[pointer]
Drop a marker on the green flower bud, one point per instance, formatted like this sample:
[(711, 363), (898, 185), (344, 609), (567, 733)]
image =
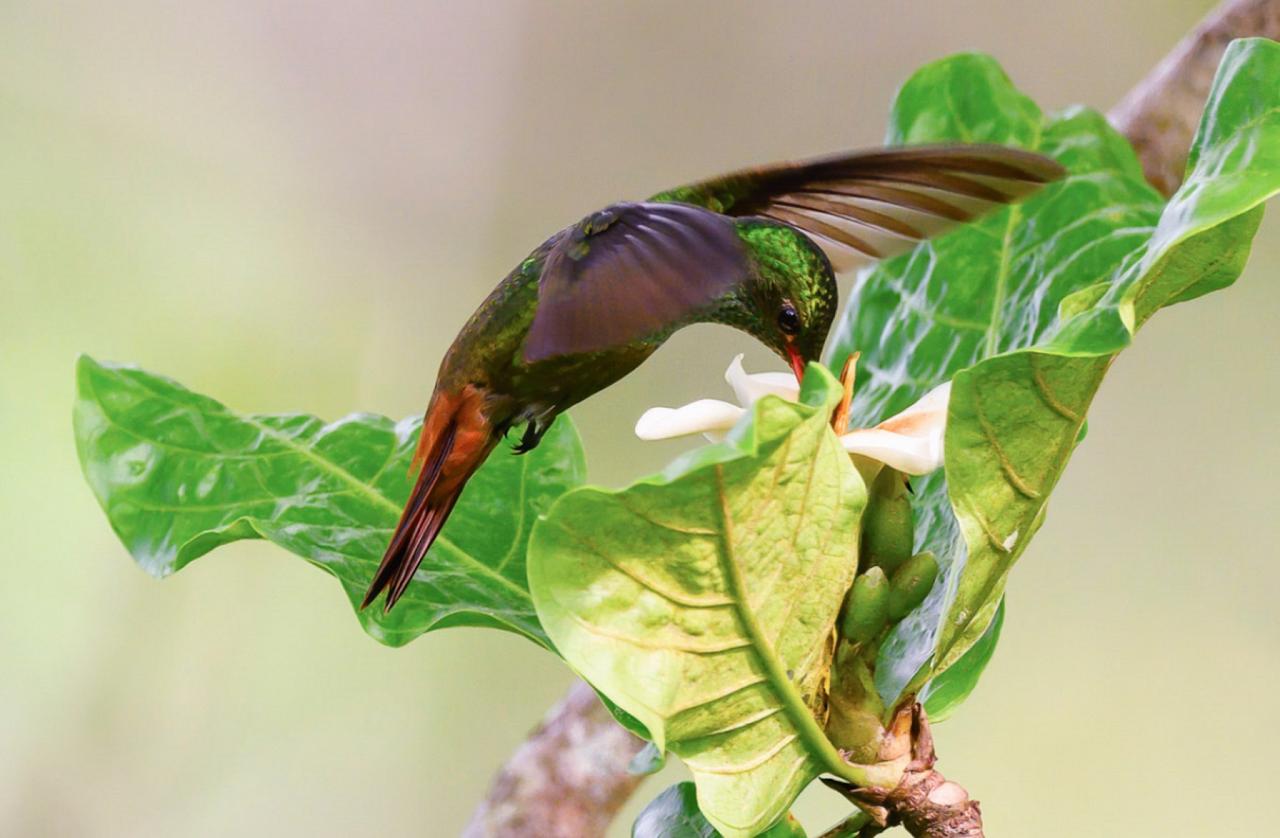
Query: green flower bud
[(888, 533), (866, 609), (911, 583)]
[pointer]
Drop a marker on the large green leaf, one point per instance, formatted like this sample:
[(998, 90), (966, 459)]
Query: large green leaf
[(179, 474), (1025, 310), (987, 288), (1014, 419), (703, 601), (674, 814)]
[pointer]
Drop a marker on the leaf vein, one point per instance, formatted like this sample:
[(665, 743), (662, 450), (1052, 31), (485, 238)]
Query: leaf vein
[(1046, 391), (744, 767), (1016, 480), (686, 600)]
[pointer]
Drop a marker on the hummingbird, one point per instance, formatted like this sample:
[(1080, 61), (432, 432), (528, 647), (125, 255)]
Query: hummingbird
[(757, 249)]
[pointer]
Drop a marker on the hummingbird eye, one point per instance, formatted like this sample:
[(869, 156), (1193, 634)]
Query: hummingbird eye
[(789, 320)]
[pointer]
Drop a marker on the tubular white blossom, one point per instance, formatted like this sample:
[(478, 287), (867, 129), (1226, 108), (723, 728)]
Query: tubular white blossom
[(748, 389), (910, 441), (709, 417)]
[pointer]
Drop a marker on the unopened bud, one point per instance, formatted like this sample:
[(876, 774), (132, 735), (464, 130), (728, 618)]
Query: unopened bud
[(867, 608), (888, 533), (911, 583)]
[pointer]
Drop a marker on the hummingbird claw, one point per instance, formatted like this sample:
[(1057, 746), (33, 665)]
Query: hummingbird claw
[(532, 436)]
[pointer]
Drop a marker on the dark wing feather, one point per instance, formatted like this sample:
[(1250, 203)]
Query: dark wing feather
[(874, 204), (629, 271)]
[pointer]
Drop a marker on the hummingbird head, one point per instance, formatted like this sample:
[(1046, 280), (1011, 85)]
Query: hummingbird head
[(793, 297), (800, 329)]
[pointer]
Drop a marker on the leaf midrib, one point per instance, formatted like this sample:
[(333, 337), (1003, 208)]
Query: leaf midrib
[(342, 474), (994, 329), (328, 466), (792, 704)]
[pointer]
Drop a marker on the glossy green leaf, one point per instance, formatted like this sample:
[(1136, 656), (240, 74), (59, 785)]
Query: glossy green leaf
[(179, 474), (1014, 420), (674, 814), (923, 317), (702, 601), (1025, 310), (949, 690)]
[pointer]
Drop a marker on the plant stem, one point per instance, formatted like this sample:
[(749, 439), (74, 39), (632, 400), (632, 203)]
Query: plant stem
[(924, 802)]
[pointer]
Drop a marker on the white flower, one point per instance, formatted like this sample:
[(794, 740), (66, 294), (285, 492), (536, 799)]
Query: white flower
[(910, 442)]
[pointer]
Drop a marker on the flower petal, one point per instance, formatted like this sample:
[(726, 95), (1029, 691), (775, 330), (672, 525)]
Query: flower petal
[(709, 416), (750, 388), (926, 416), (909, 454), (910, 441)]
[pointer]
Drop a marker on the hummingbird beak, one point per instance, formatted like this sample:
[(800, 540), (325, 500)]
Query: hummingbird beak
[(797, 361)]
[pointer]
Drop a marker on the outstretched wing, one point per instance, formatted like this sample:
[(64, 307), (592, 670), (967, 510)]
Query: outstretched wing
[(628, 271), (869, 205)]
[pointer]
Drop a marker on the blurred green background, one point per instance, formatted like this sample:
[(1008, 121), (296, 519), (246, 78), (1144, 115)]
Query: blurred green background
[(293, 205)]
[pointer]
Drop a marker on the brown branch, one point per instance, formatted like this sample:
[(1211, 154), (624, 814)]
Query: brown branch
[(1159, 116), (929, 805), (567, 780), (570, 777), (924, 802)]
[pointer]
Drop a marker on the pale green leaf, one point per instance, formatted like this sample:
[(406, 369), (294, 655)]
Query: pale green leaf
[(703, 601)]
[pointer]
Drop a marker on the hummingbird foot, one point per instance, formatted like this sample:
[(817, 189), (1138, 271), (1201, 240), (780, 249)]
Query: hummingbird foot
[(533, 434)]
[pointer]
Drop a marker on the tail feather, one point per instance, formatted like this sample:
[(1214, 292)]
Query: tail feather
[(448, 457), (404, 545), (424, 534)]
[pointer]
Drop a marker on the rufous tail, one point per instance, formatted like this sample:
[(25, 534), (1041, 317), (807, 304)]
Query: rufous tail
[(455, 441)]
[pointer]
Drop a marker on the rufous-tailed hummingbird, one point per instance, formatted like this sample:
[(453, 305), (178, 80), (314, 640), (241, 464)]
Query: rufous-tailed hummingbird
[(756, 249)]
